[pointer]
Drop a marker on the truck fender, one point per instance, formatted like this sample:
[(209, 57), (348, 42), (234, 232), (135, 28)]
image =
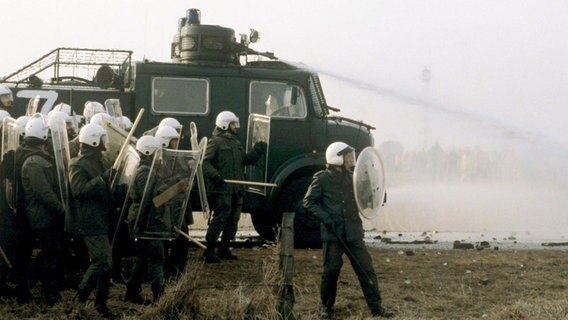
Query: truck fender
[(292, 166)]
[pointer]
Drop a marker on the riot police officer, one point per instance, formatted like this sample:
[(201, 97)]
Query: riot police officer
[(176, 251), (91, 108), (6, 98), (168, 121), (69, 120), (89, 181), (44, 209), (150, 253), (330, 198), (225, 158)]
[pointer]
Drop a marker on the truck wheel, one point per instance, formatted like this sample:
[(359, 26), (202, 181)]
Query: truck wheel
[(306, 228), (265, 223)]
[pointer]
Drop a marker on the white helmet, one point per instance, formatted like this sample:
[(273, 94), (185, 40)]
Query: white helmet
[(64, 107), (147, 145), (335, 152), (3, 114), (36, 127), (124, 122), (92, 134), (5, 90), (21, 122), (98, 118), (165, 134), (54, 116), (225, 118), (92, 108), (170, 122)]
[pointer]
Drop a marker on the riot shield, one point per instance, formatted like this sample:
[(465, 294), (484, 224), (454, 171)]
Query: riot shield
[(166, 194), (10, 136), (125, 175), (113, 107), (60, 144), (369, 182), (33, 105), (10, 142), (200, 178), (258, 131), (116, 138)]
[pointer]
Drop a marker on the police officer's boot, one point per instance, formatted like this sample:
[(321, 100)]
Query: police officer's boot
[(133, 295), (382, 312), (325, 313), (102, 297), (23, 293), (209, 255), (157, 290), (225, 253), (7, 291), (84, 292)]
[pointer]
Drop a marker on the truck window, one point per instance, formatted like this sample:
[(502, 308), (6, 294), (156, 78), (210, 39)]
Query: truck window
[(277, 99), (180, 95), (317, 95)]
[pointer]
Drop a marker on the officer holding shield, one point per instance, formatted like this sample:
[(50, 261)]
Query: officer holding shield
[(149, 252), (90, 181), (225, 158), (330, 198), (177, 250), (44, 209)]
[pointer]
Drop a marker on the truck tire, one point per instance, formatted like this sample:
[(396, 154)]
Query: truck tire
[(306, 228)]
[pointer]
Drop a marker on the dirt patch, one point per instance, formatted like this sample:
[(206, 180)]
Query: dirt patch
[(430, 284)]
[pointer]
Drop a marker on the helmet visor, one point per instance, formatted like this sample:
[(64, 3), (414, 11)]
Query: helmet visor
[(349, 157)]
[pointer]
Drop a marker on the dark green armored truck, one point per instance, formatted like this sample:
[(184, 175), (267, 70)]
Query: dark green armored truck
[(210, 72)]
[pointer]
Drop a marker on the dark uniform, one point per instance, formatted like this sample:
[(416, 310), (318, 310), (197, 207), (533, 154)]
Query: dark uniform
[(150, 253), (7, 222), (90, 219), (330, 198), (23, 237), (225, 158), (45, 214)]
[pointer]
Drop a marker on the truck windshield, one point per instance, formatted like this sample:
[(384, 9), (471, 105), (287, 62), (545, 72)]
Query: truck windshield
[(180, 95), (277, 99)]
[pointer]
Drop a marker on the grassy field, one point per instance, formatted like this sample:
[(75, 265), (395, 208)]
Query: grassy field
[(421, 284)]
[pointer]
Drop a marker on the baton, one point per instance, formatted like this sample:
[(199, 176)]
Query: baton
[(190, 238), (5, 257), (252, 183)]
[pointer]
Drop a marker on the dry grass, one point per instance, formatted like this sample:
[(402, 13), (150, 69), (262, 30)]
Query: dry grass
[(445, 284)]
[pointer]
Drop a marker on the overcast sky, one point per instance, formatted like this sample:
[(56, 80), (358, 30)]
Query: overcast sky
[(499, 68)]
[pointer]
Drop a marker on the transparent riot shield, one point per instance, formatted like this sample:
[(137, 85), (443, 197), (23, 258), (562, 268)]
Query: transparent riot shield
[(201, 146), (10, 142), (10, 136), (258, 131), (125, 174), (33, 105), (113, 107), (116, 138), (60, 144), (166, 194), (369, 182)]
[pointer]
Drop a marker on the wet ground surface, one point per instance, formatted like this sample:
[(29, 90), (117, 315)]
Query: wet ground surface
[(391, 240)]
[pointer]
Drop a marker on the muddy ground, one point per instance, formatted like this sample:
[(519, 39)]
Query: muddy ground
[(419, 283)]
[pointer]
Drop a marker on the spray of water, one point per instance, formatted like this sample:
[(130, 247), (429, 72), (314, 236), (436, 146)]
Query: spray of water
[(515, 185), (490, 124)]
